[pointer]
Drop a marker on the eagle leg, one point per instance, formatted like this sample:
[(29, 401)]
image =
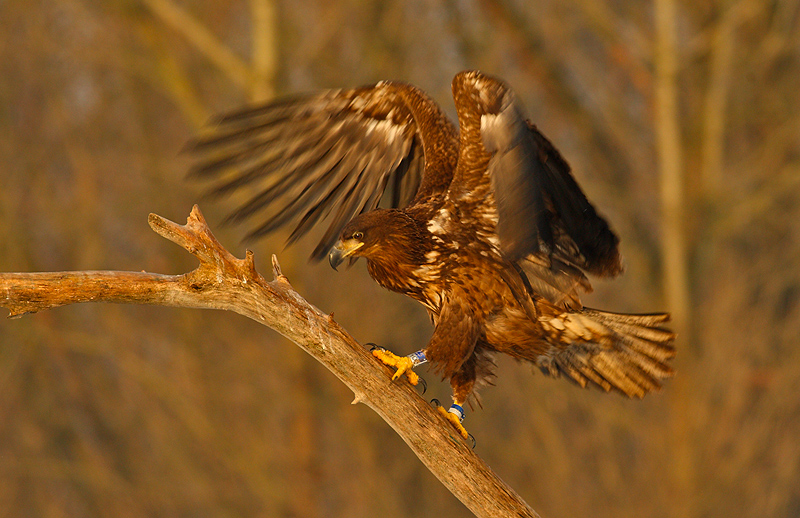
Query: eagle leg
[(403, 364), (455, 415)]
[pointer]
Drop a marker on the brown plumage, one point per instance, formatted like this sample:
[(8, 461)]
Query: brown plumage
[(486, 228)]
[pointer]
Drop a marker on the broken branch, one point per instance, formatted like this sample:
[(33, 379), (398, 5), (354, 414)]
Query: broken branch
[(222, 281)]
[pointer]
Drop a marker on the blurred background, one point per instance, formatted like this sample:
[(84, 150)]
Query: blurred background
[(682, 123)]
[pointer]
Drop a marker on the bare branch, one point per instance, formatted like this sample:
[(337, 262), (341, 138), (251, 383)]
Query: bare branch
[(222, 281)]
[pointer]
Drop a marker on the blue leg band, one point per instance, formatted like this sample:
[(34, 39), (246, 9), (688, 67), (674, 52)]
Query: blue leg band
[(458, 411), (418, 358)]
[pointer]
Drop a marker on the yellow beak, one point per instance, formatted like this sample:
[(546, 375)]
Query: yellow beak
[(342, 250)]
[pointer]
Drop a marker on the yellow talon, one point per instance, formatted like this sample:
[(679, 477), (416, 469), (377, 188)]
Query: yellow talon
[(402, 363), (455, 421)]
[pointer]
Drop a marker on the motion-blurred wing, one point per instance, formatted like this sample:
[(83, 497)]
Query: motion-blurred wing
[(572, 217), (305, 158), (540, 206), (544, 221)]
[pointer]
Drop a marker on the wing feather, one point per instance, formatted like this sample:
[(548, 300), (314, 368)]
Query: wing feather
[(596, 245), (542, 218), (331, 155)]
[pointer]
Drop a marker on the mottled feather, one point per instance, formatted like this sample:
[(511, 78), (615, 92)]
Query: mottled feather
[(486, 227), (327, 155)]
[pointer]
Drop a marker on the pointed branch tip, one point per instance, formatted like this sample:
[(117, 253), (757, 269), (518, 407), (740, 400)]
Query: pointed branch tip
[(276, 270), (250, 263), (196, 214), (276, 267)]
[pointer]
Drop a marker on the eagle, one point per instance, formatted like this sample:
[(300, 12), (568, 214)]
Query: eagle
[(483, 223)]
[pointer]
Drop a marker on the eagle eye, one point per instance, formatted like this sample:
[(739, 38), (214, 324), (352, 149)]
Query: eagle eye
[(358, 235)]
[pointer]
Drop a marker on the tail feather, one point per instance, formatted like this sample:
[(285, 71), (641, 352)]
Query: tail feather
[(577, 368), (642, 326), (639, 332), (622, 375), (627, 353)]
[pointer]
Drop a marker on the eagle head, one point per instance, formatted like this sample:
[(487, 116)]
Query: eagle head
[(376, 235)]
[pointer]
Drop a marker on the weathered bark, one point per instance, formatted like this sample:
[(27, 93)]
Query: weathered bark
[(225, 282)]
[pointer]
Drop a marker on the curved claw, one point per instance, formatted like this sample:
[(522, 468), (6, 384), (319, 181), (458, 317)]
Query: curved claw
[(373, 346), (424, 385), (435, 403), (472, 440)]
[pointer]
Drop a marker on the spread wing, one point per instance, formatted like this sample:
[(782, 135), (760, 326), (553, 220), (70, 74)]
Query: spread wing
[(325, 155), (543, 220)]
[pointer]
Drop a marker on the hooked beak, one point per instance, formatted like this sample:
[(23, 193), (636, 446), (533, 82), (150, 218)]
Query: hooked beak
[(342, 250)]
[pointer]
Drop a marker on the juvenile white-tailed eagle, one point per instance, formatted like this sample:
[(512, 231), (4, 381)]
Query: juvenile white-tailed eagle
[(487, 227)]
